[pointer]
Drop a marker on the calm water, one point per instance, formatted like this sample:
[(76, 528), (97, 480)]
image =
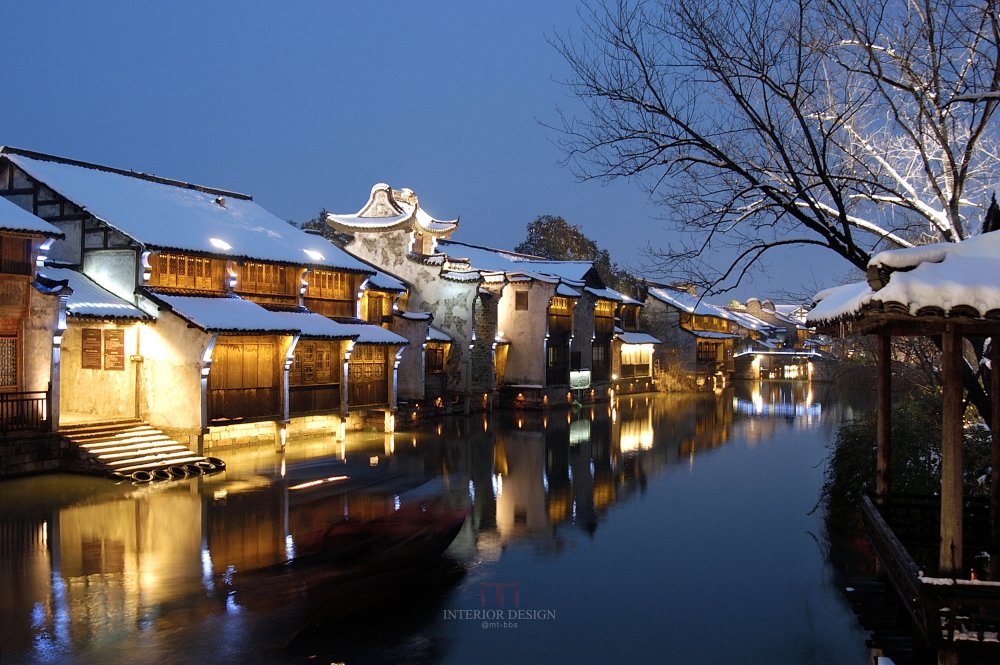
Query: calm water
[(669, 529)]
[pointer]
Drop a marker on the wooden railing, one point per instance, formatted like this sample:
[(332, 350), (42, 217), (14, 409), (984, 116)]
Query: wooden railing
[(24, 410), (949, 613)]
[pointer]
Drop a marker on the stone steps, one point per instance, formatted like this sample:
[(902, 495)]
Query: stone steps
[(130, 448)]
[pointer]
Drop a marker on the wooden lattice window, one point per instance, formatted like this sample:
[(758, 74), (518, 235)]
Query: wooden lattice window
[(181, 271), (329, 284), (15, 256), (263, 278), (8, 362), (313, 364)]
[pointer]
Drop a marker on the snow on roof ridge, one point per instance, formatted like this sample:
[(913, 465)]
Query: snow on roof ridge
[(34, 154)]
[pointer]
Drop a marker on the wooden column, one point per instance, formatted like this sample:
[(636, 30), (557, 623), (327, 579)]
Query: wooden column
[(950, 559), (883, 431), (995, 456)]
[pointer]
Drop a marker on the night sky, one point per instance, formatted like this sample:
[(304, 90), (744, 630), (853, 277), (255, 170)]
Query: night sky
[(306, 105)]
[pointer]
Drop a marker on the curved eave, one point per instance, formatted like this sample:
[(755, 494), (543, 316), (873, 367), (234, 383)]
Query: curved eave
[(354, 223)]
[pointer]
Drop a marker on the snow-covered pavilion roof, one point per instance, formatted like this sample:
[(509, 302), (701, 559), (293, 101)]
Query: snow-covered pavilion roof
[(15, 218), (168, 214), (388, 209), (88, 299), (950, 279)]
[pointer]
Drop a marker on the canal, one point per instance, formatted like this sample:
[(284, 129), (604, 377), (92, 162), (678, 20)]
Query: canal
[(674, 529)]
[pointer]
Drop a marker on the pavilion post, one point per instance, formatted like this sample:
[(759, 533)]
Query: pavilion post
[(950, 558), (883, 432)]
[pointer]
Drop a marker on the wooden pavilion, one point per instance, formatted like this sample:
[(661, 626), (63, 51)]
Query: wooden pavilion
[(949, 292)]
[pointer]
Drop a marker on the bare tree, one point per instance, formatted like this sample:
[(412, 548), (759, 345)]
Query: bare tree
[(765, 124), (854, 125)]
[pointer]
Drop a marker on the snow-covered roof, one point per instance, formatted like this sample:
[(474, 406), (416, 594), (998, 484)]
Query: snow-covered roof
[(382, 281), (567, 291), (372, 334), (413, 316), (167, 214), (637, 338), (90, 300), (225, 314), (389, 209), (314, 326), (711, 334), (743, 319), (435, 335), (939, 277), (611, 294), (498, 260), (684, 301), (15, 218)]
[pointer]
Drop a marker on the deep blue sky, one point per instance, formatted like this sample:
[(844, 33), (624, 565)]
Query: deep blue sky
[(306, 105)]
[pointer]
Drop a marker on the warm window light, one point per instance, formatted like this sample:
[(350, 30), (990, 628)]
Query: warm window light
[(220, 244), (314, 255)]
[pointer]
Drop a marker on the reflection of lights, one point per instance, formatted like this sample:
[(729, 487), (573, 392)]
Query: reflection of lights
[(520, 423), (373, 460), (395, 502), (219, 495), (282, 466), (757, 399), (636, 435), (472, 492), (45, 534), (439, 429), (497, 486), (289, 547), (545, 481), (322, 481), (206, 570)]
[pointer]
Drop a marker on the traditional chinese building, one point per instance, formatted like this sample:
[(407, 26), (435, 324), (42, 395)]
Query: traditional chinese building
[(698, 338), (505, 323), (244, 327)]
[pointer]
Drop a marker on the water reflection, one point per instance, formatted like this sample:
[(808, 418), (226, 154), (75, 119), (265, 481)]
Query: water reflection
[(88, 567)]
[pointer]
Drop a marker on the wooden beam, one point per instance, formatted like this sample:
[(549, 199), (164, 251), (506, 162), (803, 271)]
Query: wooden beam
[(883, 431), (950, 555)]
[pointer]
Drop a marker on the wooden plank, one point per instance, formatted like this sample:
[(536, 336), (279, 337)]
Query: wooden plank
[(950, 556)]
